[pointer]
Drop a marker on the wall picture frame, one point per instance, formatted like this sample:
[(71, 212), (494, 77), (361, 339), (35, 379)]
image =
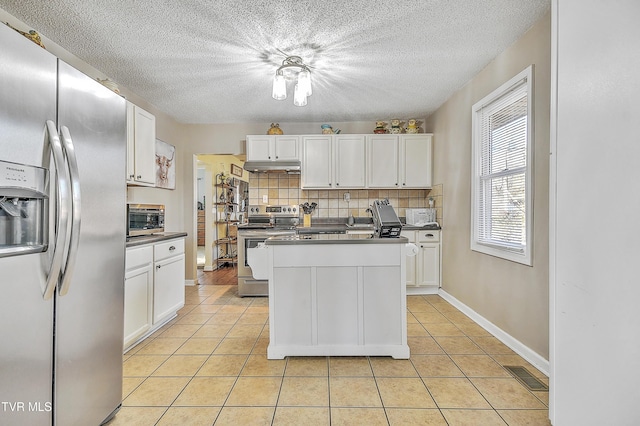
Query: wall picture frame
[(236, 170), (165, 165)]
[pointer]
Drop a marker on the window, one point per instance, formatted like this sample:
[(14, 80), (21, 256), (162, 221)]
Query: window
[(502, 158)]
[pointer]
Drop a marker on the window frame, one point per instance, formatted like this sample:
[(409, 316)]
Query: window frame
[(504, 251)]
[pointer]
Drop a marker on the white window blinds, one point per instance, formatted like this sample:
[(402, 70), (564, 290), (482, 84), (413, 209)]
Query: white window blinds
[(501, 184)]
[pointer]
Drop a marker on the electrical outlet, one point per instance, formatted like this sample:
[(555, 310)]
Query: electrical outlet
[(265, 199), (347, 196)]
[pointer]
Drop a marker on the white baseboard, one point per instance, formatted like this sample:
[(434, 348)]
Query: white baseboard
[(414, 291), (190, 282), (518, 347), (208, 268)]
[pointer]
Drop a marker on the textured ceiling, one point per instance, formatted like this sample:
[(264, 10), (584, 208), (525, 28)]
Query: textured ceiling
[(212, 61)]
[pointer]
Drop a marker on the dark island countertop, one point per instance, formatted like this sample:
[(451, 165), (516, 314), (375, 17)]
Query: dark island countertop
[(153, 238), (333, 239)]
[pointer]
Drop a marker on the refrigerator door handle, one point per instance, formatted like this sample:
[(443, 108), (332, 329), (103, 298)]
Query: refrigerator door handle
[(74, 235), (62, 211)]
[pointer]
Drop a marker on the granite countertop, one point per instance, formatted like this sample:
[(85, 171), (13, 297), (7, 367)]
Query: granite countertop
[(332, 239), (339, 225), (432, 227), (343, 227), (153, 238)]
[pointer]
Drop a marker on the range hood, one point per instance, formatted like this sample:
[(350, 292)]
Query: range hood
[(265, 166)]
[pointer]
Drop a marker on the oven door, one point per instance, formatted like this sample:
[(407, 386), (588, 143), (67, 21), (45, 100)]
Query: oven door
[(250, 239)]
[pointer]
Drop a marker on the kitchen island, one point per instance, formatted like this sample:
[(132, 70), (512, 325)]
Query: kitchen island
[(335, 295)]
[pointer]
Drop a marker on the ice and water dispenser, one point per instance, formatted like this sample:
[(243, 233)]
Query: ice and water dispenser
[(24, 204)]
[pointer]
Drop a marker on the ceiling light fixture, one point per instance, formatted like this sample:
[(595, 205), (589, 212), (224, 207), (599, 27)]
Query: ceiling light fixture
[(303, 85)]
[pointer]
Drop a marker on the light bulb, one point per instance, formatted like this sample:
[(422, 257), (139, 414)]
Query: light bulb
[(299, 97), (304, 81), (279, 87)]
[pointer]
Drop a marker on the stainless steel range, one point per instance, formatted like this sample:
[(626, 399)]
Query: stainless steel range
[(263, 222)]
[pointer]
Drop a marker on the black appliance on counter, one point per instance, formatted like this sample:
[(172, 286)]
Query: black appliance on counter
[(385, 220)]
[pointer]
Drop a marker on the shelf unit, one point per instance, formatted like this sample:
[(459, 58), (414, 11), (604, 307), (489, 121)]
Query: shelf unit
[(226, 227), (201, 227)]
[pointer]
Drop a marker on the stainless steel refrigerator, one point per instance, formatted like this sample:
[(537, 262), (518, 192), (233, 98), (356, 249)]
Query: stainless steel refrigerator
[(62, 240)]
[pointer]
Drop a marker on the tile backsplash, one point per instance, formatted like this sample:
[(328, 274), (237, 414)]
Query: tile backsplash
[(285, 189)]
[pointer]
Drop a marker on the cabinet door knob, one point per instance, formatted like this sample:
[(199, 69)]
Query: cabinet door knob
[(429, 235), (172, 248), (158, 266), (139, 177), (396, 183)]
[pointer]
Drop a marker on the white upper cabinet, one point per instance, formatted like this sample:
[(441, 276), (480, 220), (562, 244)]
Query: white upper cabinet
[(141, 146), (399, 161), (317, 157), (272, 147), (349, 161), (415, 161), (366, 161), (382, 164)]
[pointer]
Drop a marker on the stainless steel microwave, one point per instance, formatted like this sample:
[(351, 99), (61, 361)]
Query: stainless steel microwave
[(144, 219)]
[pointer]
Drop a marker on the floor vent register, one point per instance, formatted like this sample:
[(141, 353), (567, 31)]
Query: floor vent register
[(526, 378)]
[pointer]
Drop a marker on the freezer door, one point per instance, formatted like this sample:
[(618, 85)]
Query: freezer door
[(90, 311), (27, 101)]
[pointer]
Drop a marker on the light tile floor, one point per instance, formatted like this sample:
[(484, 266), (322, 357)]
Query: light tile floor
[(208, 366)]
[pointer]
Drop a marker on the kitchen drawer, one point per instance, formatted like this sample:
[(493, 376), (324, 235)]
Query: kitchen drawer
[(168, 249), (428, 236), (138, 257), (410, 235)]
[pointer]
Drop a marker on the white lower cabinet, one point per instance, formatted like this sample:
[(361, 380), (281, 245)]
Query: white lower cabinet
[(423, 270), (153, 289), (138, 293), (168, 281), (428, 268)]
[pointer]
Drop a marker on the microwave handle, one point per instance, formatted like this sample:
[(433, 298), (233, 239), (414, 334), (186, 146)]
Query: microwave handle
[(62, 198), (74, 236)]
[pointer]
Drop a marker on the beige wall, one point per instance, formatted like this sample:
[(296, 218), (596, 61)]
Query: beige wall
[(512, 296)]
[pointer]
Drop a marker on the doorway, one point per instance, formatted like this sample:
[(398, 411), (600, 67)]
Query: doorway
[(218, 208)]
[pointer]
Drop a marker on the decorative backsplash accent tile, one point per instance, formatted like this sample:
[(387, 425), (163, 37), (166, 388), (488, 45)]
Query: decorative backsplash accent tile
[(285, 189)]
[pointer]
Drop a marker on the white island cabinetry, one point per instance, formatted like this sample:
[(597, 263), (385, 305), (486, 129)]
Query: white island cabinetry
[(340, 295), (153, 288)]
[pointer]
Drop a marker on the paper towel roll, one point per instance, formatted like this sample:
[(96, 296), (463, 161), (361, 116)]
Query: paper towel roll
[(411, 249)]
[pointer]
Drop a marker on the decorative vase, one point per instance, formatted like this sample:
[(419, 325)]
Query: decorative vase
[(395, 126), (275, 129), (412, 126), (380, 127), (306, 220)]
